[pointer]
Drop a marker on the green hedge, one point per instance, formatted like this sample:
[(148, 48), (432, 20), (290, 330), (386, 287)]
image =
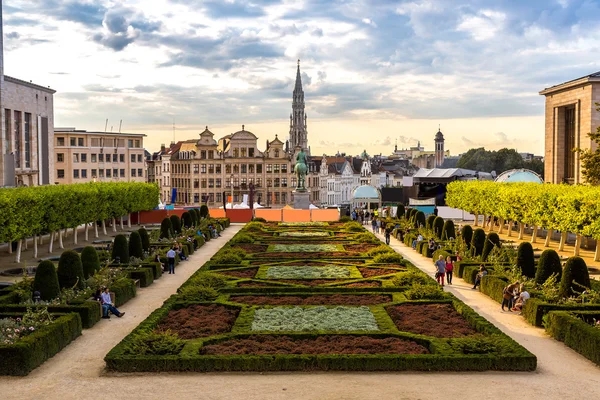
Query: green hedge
[(124, 290), (9, 296), (493, 286), (89, 312), (144, 274), (33, 350), (535, 309), (576, 333)]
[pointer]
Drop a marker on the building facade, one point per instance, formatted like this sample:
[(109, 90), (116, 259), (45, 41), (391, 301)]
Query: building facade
[(82, 156), (570, 115)]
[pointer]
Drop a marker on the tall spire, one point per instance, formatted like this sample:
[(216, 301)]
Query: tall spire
[(298, 124), (298, 86)]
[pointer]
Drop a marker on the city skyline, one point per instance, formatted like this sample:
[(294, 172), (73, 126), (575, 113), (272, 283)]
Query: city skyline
[(475, 68)]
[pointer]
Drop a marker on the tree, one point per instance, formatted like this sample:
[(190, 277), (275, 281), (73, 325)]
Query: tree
[(429, 222), (483, 160), (46, 281), (70, 270), (449, 231), (575, 278), (438, 227), (590, 160), (135, 245), (120, 249), (89, 261), (467, 235), (204, 211), (145, 239), (400, 211), (419, 219), (526, 260)]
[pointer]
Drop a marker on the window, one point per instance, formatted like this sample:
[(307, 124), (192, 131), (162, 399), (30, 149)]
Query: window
[(17, 127), (73, 141), (276, 168), (269, 182), (236, 182), (60, 157), (277, 199), (60, 141), (211, 197), (283, 182), (80, 142), (141, 173), (133, 158), (114, 157), (211, 168), (130, 143), (115, 172), (139, 158), (251, 152), (283, 197), (196, 168), (196, 183), (243, 149), (570, 141), (94, 158), (243, 168), (100, 173), (211, 183), (276, 182), (251, 168), (203, 168), (83, 157), (133, 172), (196, 198), (218, 182), (259, 168), (101, 157), (218, 169), (75, 157), (269, 168), (203, 184), (120, 142), (122, 172), (203, 154), (258, 182), (218, 198), (27, 129), (122, 158), (227, 183), (84, 173), (244, 183), (76, 173), (211, 154), (227, 168), (276, 153), (236, 169), (60, 173), (94, 173), (236, 152), (284, 168), (137, 144)]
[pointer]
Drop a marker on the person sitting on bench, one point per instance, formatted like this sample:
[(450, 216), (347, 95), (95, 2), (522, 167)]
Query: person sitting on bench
[(107, 305)]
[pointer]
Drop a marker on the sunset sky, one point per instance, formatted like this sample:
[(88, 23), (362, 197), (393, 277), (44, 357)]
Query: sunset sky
[(374, 72)]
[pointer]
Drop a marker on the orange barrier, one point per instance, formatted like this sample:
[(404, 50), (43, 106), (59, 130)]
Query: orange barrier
[(325, 215), (216, 212), (239, 215), (296, 215), (269, 215)]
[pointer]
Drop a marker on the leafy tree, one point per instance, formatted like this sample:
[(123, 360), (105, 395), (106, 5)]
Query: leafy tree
[(46, 281), (90, 261), (120, 249), (525, 259), (135, 245), (480, 159), (70, 270), (590, 160), (575, 278), (145, 238), (548, 265), (535, 165)]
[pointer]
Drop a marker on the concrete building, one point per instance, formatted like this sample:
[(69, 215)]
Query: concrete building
[(82, 156), (26, 138), (570, 115)]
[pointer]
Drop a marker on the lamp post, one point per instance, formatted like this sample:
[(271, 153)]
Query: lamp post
[(231, 180)]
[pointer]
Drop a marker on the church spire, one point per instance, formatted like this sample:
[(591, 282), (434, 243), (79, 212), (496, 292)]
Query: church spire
[(298, 123), (298, 86)]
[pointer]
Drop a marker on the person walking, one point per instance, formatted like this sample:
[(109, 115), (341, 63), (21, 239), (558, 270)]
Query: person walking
[(171, 260), (440, 265), (374, 225), (378, 225), (449, 269), (388, 233)]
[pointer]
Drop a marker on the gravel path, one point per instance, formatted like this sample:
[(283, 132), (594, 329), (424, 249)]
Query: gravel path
[(78, 371)]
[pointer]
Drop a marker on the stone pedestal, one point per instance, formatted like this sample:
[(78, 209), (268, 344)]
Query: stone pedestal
[(301, 200)]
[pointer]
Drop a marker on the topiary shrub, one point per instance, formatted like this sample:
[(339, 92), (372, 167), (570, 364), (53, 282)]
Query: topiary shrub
[(492, 240), (548, 264), (186, 219), (467, 235), (90, 261), (204, 211), (448, 231), (429, 222), (353, 226), (166, 228), (241, 238), (388, 258), (438, 227), (176, 223), (46, 281), (227, 258), (478, 241), (195, 217), (345, 218), (254, 226), (145, 239), (525, 259), (379, 250), (259, 219), (575, 277), (135, 245), (70, 270), (120, 249), (419, 219), (410, 214), (400, 211)]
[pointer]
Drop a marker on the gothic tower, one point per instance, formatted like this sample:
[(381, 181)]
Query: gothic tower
[(298, 127), (439, 148)]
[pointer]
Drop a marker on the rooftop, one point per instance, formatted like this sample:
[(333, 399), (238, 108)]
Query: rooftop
[(28, 84), (84, 132), (595, 77)]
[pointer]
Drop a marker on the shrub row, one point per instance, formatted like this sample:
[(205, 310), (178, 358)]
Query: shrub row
[(89, 311), (576, 331)]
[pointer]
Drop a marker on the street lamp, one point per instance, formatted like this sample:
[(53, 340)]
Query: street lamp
[(231, 181)]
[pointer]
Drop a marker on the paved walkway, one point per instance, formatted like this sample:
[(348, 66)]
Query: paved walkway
[(78, 371)]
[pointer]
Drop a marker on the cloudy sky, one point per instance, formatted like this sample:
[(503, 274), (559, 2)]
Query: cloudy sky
[(374, 72)]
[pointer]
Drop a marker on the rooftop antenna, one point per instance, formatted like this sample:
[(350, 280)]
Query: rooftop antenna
[(106, 125), (120, 124)]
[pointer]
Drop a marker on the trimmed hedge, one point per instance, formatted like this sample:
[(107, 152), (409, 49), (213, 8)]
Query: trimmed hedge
[(175, 223), (90, 261), (46, 281), (145, 239), (492, 240), (467, 235), (89, 311), (429, 222), (448, 232), (535, 309), (166, 228), (144, 274), (33, 350), (419, 219), (120, 250), (478, 241), (135, 245), (493, 287), (438, 227), (576, 333), (124, 290)]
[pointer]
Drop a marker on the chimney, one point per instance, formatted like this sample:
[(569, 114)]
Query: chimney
[(162, 147)]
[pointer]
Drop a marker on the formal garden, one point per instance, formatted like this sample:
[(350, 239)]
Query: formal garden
[(41, 315), (563, 298), (313, 296)]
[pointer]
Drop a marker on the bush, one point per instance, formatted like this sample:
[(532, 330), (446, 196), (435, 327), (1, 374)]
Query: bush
[(467, 235), (575, 278), (400, 211), (578, 334), (120, 250), (154, 344), (198, 293), (353, 226), (166, 228), (227, 258), (204, 211), (388, 258), (90, 261), (438, 227), (206, 279), (419, 219), (254, 226), (124, 290), (241, 238), (70, 271), (259, 219), (548, 264), (135, 245), (365, 237), (429, 222), (440, 252), (478, 241), (379, 250), (525, 259), (176, 223), (410, 214), (448, 232), (345, 218), (492, 240), (410, 277), (186, 219), (145, 239), (46, 281), (419, 291)]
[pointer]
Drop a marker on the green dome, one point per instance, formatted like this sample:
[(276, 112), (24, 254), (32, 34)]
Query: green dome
[(366, 192)]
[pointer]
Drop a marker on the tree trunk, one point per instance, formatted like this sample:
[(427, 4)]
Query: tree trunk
[(10, 247), (35, 246), (491, 224), (114, 225), (104, 227), (577, 245), (96, 230), (548, 238), (597, 254), (19, 248), (121, 223), (41, 240), (87, 234), (534, 234), (483, 223), (51, 240), (521, 230), (75, 232), (476, 220), (25, 241), (501, 228), (60, 239), (509, 227), (563, 240), (129, 220)]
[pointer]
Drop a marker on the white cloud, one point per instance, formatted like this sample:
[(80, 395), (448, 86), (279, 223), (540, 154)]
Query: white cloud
[(483, 26)]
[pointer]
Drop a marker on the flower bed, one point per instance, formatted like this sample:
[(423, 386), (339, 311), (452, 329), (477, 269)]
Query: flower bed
[(362, 284), (329, 344), (292, 272), (437, 320), (240, 273), (198, 321), (299, 319), (252, 248), (360, 248), (303, 224), (334, 299), (304, 248), (303, 234), (373, 272)]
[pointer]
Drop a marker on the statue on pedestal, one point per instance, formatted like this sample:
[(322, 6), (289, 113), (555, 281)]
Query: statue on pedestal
[(301, 170)]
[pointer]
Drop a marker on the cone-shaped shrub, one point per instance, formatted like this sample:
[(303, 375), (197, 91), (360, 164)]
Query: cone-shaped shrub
[(467, 235), (419, 219), (400, 211), (70, 270), (478, 241), (548, 264), (525, 259), (203, 211), (438, 227), (186, 219), (135, 245), (575, 277), (145, 239), (194, 217), (89, 261), (121, 249), (429, 222), (46, 281), (491, 241), (448, 231), (176, 223), (166, 228)]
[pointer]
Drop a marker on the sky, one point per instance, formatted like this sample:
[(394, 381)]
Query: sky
[(375, 73)]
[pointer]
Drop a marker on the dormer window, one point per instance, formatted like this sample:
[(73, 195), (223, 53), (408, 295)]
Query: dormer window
[(276, 153)]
